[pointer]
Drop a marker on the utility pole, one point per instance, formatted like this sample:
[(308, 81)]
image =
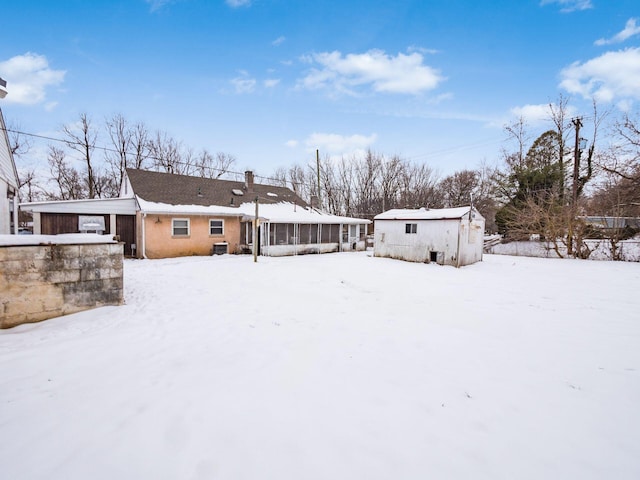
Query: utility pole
[(577, 123), (256, 240), (318, 173)]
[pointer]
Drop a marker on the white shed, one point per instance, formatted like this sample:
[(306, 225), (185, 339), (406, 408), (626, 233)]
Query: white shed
[(448, 236)]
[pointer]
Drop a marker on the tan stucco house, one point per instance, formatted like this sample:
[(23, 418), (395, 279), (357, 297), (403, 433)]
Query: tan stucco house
[(161, 215)]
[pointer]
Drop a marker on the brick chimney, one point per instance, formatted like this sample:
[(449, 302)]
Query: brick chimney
[(248, 180)]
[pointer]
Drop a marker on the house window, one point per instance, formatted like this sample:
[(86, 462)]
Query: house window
[(216, 227), (411, 228), (180, 227)]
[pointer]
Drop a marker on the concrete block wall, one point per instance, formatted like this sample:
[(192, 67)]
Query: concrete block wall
[(38, 282)]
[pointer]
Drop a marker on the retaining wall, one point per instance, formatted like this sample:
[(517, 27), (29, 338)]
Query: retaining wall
[(38, 282)]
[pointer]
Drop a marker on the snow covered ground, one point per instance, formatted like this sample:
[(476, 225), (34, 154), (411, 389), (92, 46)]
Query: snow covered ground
[(339, 366)]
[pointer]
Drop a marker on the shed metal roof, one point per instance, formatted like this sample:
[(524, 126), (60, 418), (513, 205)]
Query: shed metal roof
[(426, 214)]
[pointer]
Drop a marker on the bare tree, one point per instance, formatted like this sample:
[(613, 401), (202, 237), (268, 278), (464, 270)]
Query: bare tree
[(130, 144), (419, 186), (392, 190), (210, 166), (330, 197), (168, 155), (459, 188), (582, 173), (345, 176), (19, 144), (139, 142), (536, 178), (623, 157), (558, 115), (615, 201), (301, 181), (516, 131), (82, 139), (68, 180), (367, 172), (30, 190)]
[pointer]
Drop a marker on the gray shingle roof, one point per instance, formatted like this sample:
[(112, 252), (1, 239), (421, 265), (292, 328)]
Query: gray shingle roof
[(185, 190)]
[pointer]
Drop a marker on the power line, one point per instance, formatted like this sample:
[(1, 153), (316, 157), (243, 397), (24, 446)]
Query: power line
[(221, 171), (457, 148), (152, 157)]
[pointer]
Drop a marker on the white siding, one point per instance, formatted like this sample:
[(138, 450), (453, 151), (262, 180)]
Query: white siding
[(117, 206), (431, 236), (8, 179), (5, 209), (471, 241), (449, 236)]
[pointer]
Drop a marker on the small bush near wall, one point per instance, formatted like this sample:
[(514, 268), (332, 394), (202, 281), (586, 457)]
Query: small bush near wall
[(38, 282)]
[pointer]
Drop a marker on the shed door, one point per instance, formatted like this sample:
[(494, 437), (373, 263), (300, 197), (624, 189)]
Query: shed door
[(126, 229), (57, 223)]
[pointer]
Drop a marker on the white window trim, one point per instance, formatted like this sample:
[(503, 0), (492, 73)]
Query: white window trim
[(216, 220), (173, 227), (412, 230)]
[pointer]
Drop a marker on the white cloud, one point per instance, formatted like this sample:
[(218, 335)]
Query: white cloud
[(532, 113), (28, 76), (291, 143), (244, 83), (537, 114), (625, 105), (335, 144), (238, 3), (569, 6), (278, 41), (158, 4), (271, 82), (426, 51), (340, 73), (630, 29), (611, 76)]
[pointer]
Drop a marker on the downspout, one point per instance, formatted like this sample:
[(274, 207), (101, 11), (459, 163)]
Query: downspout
[(15, 214), (144, 240), (37, 223), (366, 234), (458, 252)]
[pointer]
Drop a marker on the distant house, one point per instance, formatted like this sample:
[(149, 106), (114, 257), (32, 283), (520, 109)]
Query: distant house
[(609, 224), (161, 215), (448, 236), (8, 184)]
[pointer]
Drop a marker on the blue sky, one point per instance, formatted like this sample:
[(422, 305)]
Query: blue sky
[(271, 81)]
